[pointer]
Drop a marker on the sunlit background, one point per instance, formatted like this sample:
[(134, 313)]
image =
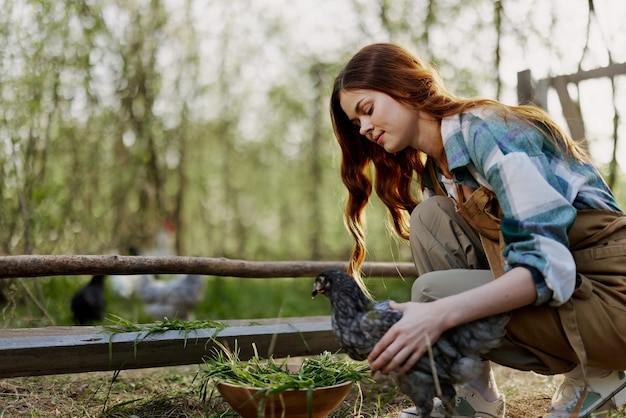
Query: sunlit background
[(118, 116)]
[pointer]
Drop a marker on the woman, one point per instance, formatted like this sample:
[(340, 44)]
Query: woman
[(492, 191)]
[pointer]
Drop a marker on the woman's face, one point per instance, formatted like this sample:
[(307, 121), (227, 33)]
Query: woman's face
[(382, 119)]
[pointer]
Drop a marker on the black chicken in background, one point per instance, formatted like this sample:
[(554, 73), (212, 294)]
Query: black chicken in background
[(88, 303), (358, 323)]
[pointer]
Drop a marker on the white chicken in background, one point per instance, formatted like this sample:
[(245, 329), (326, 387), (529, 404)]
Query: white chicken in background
[(164, 245), (125, 285), (175, 298), (164, 241)]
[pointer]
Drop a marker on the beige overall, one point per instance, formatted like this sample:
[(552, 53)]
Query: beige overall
[(589, 329)]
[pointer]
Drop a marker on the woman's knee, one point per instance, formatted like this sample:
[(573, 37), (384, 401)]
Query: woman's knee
[(421, 291), (439, 284)]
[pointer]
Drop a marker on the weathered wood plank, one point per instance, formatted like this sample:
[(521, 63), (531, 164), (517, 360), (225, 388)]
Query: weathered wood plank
[(60, 350), (525, 91), (571, 110), (610, 70), (58, 265)]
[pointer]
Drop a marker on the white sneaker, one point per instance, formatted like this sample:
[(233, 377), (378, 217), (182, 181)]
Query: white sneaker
[(468, 403), (603, 393)]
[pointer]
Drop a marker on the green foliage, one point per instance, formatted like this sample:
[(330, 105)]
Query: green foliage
[(101, 141), (118, 116), (224, 298)]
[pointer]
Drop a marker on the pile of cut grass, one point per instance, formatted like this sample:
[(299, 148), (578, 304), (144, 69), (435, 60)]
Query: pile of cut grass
[(272, 377)]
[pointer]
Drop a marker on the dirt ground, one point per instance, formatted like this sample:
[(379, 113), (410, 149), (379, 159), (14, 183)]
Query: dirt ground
[(173, 392)]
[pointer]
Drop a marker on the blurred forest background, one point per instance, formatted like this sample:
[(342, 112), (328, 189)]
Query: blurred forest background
[(202, 127)]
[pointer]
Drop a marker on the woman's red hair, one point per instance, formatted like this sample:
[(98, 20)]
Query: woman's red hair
[(392, 70)]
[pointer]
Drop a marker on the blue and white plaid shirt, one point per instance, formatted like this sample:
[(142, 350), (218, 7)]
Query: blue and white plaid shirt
[(538, 188)]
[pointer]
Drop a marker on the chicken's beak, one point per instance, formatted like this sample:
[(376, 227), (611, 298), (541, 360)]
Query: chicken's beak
[(317, 288)]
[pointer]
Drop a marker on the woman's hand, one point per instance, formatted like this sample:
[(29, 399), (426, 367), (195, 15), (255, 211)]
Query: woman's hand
[(408, 339), (423, 323)]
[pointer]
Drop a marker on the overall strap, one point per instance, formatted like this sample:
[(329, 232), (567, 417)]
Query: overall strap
[(482, 212)]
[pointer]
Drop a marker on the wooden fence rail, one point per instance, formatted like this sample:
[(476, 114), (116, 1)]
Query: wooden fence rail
[(72, 349), (60, 350), (57, 265)]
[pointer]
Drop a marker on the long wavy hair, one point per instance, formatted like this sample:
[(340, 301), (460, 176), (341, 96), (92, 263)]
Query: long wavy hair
[(392, 70)]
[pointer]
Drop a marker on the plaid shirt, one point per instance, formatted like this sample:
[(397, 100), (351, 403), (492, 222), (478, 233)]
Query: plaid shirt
[(538, 188)]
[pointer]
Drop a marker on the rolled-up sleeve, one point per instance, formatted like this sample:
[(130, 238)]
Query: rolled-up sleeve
[(536, 213)]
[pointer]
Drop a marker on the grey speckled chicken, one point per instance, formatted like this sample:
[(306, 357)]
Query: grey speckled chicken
[(358, 323)]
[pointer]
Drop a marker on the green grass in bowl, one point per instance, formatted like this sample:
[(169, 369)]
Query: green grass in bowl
[(273, 377)]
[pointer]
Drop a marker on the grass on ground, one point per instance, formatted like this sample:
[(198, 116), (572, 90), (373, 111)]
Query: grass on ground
[(174, 392)]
